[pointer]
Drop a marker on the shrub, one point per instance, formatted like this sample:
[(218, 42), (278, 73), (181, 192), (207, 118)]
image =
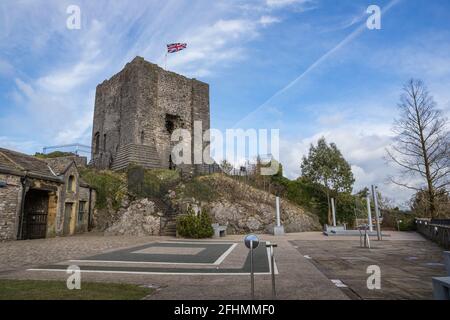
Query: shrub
[(195, 226), (109, 186), (200, 189), (150, 183), (55, 154)]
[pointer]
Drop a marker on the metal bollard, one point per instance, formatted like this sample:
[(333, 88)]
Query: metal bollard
[(252, 242), (272, 267)]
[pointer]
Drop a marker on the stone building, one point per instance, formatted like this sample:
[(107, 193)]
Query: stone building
[(42, 198), (138, 109)]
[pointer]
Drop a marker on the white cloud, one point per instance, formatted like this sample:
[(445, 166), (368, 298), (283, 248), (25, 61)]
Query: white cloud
[(25, 146), (284, 3), (24, 88), (6, 68), (221, 42), (268, 20), (362, 145), (54, 103), (331, 120)]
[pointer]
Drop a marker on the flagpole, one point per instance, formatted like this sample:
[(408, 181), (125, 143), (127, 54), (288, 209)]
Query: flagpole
[(165, 62)]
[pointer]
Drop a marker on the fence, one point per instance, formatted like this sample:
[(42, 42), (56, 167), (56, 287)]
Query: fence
[(436, 230)]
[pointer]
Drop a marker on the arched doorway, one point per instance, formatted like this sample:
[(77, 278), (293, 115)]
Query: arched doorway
[(35, 215)]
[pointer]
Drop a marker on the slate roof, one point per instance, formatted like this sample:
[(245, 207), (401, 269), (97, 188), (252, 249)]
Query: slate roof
[(59, 165), (20, 163)]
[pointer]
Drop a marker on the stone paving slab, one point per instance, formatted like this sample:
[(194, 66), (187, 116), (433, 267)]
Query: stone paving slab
[(107, 263), (297, 279), (307, 262), (407, 267)]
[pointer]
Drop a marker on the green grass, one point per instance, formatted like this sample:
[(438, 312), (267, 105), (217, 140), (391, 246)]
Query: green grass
[(57, 290)]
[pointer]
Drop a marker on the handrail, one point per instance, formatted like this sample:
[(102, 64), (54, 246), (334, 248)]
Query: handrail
[(439, 233)]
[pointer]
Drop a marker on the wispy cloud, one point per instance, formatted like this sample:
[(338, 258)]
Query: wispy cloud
[(268, 20), (55, 100), (284, 3)]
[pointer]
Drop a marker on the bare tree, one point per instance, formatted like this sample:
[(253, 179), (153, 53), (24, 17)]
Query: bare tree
[(421, 147)]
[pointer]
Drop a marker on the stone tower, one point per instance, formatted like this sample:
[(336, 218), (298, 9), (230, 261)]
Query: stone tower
[(136, 112)]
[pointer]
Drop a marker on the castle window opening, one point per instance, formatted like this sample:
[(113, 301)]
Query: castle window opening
[(104, 142), (171, 122), (81, 211), (71, 184), (142, 137), (97, 143)]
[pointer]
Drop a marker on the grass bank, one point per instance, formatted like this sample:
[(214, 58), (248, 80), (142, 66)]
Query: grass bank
[(57, 290)]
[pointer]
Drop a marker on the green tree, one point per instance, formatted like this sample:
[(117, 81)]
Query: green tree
[(326, 166)]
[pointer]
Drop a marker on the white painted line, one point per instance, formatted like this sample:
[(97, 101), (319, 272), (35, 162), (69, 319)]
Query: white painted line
[(338, 283), (226, 253), (217, 262), (156, 273), (144, 262), (307, 257), (196, 242)]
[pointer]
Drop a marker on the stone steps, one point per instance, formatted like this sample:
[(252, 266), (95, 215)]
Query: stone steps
[(143, 155)]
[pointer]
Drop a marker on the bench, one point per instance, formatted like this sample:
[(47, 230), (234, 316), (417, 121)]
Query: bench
[(441, 288), (441, 285), (219, 231), (447, 261)]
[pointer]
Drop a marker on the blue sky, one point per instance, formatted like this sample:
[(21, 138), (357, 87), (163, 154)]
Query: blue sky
[(250, 52)]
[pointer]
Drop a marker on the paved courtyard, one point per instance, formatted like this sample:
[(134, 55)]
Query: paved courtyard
[(308, 265)]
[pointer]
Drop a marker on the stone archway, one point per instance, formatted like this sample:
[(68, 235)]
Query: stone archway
[(35, 214)]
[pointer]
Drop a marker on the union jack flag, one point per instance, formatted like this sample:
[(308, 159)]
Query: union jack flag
[(175, 47)]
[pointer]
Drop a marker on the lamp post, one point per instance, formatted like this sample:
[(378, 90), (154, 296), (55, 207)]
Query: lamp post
[(333, 209), (369, 212), (377, 213)]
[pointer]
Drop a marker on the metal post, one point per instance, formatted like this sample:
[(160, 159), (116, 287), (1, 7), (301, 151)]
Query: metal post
[(252, 274), (272, 267), (377, 216), (278, 212), (369, 212), (278, 230), (272, 262), (333, 209), (367, 240)]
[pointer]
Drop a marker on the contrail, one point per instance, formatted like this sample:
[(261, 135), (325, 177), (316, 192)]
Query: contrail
[(347, 40)]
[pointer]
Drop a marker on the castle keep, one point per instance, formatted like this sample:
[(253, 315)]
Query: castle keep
[(136, 112)]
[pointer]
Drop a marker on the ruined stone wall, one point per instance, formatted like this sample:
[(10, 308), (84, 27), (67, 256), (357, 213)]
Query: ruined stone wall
[(10, 198), (175, 101), (115, 105), (133, 108)]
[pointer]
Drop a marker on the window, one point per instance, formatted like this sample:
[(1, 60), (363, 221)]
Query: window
[(142, 137), (96, 143), (172, 122), (71, 184), (81, 211), (104, 142)]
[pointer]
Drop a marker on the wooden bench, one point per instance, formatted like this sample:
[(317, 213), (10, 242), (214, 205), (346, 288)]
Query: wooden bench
[(447, 261), (441, 288), (441, 285)]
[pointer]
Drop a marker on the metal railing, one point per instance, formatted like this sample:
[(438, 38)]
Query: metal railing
[(442, 222), (433, 230)]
